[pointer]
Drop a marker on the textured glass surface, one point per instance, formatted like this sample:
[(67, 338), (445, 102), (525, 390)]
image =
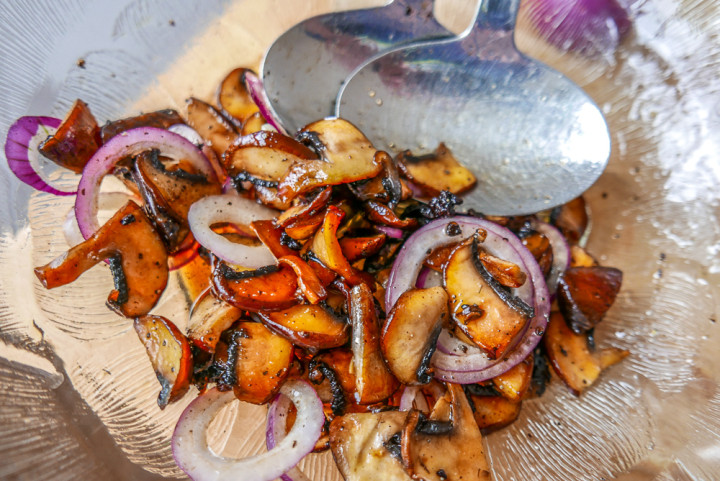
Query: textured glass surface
[(77, 391)]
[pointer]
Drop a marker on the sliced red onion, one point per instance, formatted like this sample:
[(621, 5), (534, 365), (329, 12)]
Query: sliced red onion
[(236, 210), (275, 432), (589, 27), (194, 456), (500, 242), (428, 278), (188, 132), (450, 344), (392, 232), (560, 251), (412, 397), (473, 365), (254, 86), (129, 143), (22, 154), (422, 277)]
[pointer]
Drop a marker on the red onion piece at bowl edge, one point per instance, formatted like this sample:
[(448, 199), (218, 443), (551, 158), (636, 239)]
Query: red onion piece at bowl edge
[(472, 365), (22, 154), (254, 86), (128, 143), (275, 431), (194, 456), (590, 27)]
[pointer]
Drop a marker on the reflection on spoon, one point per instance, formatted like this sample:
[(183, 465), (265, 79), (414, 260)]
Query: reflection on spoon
[(532, 137)]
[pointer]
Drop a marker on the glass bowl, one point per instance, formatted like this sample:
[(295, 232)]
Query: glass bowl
[(78, 393)]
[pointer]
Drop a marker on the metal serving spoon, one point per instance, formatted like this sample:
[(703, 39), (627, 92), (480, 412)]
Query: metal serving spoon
[(532, 137), (304, 68)]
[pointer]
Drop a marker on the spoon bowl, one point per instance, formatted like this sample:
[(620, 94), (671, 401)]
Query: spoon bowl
[(304, 68), (531, 136)]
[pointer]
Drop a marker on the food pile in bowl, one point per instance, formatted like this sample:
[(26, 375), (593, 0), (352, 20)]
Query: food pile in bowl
[(344, 287)]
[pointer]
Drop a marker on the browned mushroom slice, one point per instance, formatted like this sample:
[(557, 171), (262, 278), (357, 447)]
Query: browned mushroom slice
[(195, 276), (514, 384), (339, 361), (436, 172), (346, 156), (382, 214), (264, 155), (169, 354), (210, 316), (363, 445), (586, 293), (260, 361), (253, 124), (305, 227), (571, 358), (306, 208), (579, 257), (355, 248), (327, 248), (494, 412), (75, 141), (572, 219), (309, 282), (310, 326), (386, 187), (411, 331), (211, 125), (446, 446), (168, 195), (374, 382), (482, 309), (505, 272), (268, 288), (234, 98), (539, 246), (439, 256), (161, 119), (270, 234), (138, 261), (269, 196)]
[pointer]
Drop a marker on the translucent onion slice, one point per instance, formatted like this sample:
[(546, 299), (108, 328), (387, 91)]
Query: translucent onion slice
[(412, 397), (468, 364), (275, 432), (236, 210), (500, 242), (560, 251), (194, 456)]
